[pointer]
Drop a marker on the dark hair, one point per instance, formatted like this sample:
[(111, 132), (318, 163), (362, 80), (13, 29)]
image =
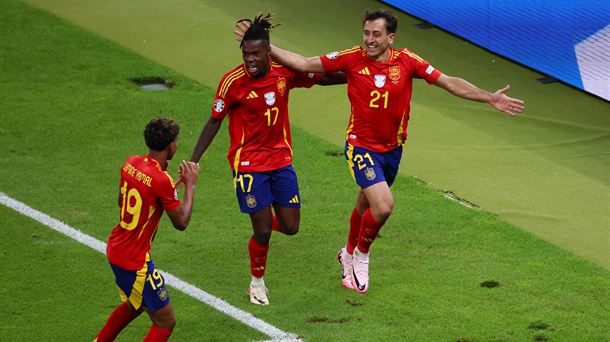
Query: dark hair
[(160, 132), (259, 28), (391, 22)]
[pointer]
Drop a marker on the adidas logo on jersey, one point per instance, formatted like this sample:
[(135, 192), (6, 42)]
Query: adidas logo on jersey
[(364, 71), (295, 199), (252, 95)]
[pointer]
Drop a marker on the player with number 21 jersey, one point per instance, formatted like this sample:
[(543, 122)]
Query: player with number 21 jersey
[(379, 93)]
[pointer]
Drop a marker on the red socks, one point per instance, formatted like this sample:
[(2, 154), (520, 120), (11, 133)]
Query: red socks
[(156, 334), (354, 232), (118, 319), (258, 258), (368, 231)]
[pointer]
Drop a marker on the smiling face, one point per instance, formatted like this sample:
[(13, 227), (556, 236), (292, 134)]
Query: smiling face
[(377, 40), (256, 56)]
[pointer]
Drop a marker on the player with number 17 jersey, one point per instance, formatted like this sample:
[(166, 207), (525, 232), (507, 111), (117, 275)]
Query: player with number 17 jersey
[(379, 94), (146, 191), (259, 127)]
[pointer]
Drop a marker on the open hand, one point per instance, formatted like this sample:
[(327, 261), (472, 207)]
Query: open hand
[(240, 29), (508, 105)]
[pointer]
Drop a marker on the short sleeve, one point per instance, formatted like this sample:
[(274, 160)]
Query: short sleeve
[(421, 67), (166, 191), (223, 100), (339, 60), (305, 79)]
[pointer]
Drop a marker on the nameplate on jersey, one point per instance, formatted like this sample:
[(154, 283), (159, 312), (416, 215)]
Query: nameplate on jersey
[(270, 98), (379, 81)]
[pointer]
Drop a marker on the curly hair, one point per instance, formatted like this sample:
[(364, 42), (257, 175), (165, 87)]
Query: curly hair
[(259, 28), (160, 132)]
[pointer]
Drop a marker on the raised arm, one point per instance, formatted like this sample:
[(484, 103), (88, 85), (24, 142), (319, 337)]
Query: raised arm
[(464, 89), (181, 216), (205, 138), (295, 61), (290, 59)]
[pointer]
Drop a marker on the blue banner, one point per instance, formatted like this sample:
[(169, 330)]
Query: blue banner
[(565, 39)]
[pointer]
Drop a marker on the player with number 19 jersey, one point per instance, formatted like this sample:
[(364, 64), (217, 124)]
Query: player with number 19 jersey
[(259, 128), (379, 93), (146, 190)]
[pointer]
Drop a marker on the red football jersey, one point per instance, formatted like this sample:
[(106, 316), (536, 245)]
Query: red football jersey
[(379, 93), (146, 190), (259, 128)]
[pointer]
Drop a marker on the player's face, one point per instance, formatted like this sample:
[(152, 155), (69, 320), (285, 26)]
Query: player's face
[(377, 40), (256, 57)]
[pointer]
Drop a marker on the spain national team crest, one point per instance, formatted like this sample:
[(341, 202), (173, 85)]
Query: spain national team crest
[(370, 173), (394, 72), (379, 81), (281, 86), (270, 98), (251, 201), (162, 293)]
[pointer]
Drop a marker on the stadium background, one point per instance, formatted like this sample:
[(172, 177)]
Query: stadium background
[(568, 40), (65, 98)]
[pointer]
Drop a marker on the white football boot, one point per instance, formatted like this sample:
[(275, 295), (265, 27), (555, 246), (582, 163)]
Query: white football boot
[(258, 294), (345, 260), (360, 271)]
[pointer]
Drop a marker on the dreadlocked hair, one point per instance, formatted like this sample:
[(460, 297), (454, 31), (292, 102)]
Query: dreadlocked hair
[(259, 28)]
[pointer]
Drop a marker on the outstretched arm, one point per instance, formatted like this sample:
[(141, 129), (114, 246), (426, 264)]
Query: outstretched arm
[(464, 89), (205, 138), (295, 61), (290, 59), (181, 216)]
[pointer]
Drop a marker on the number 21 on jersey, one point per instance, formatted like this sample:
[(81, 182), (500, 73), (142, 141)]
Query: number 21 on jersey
[(378, 98)]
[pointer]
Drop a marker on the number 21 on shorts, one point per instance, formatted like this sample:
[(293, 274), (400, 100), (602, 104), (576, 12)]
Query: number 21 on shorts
[(361, 160)]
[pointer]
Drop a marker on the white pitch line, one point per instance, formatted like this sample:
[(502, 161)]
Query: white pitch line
[(246, 318)]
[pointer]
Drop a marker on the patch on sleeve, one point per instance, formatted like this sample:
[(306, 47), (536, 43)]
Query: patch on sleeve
[(429, 70), (332, 55), (219, 105)]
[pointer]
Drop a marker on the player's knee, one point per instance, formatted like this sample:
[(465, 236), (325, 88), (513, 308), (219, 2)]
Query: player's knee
[(165, 320), (171, 322), (262, 237), (291, 229), (382, 211)]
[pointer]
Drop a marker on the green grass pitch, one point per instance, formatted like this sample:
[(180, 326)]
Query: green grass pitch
[(70, 116)]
